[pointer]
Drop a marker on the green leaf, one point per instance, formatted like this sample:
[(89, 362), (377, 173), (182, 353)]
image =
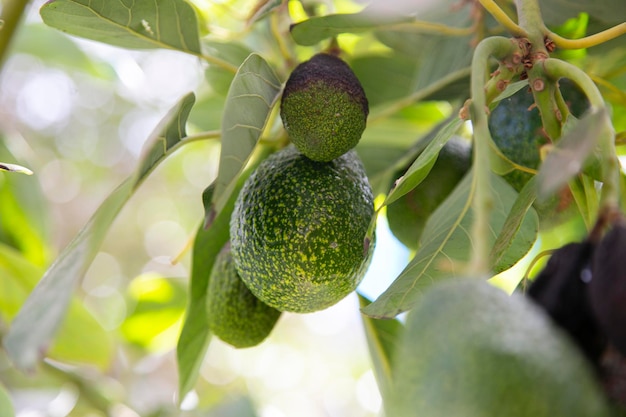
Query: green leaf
[(446, 245), (43, 311), (556, 12), (139, 24), (522, 208), (382, 340), (6, 405), (574, 153), (422, 165), (250, 100), (234, 53), (397, 70), (316, 29)]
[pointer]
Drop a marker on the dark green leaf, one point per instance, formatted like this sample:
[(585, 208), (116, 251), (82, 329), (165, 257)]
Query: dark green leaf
[(397, 70), (252, 95), (140, 24), (446, 245), (316, 29), (382, 340), (45, 308)]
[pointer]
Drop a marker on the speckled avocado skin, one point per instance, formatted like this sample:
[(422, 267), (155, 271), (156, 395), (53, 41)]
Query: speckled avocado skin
[(235, 315), (324, 108), (298, 230)]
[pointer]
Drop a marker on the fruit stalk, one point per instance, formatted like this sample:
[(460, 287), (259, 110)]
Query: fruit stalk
[(482, 203), (588, 41), (555, 69), (503, 18)]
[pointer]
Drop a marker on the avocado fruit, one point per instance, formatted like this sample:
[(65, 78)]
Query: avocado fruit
[(323, 107), (407, 216), (299, 230), (469, 349), (235, 315), (516, 128)]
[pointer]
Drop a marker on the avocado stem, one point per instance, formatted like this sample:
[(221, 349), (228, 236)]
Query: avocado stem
[(503, 18), (555, 69), (482, 203), (588, 41)]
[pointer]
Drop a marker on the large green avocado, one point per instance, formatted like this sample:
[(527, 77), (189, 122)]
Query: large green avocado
[(407, 216), (235, 315), (471, 350), (298, 230), (324, 108)]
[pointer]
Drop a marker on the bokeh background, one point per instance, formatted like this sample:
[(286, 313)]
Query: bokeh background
[(77, 113)]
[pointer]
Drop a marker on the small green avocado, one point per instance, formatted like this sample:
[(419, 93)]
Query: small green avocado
[(324, 107), (235, 315), (299, 230)]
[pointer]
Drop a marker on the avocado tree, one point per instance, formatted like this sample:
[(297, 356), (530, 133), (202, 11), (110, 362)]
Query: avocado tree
[(486, 134)]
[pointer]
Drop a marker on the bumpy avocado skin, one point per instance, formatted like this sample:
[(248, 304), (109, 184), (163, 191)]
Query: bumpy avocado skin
[(407, 216), (235, 315), (324, 108), (298, 230)]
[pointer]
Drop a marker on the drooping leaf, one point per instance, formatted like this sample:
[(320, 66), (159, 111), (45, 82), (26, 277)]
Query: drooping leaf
[(575, 152), (446, 245), (316, 29), (45, 308), (422, 165), (139, 24), (383, 337), (250, 100), (195, 334)]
